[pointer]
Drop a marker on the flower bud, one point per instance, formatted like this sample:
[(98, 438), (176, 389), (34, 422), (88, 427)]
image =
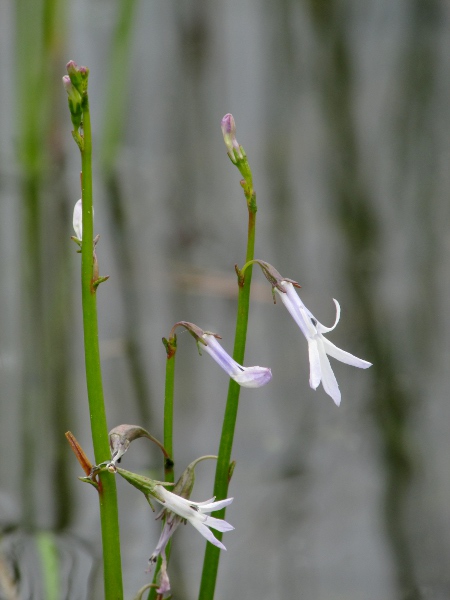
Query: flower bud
[(74, 100), (229, 137), (77, 220), (74, 74), (78, 76)]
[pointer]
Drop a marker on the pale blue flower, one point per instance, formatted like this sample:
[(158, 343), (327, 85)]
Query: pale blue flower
[(319, 347), (251, 377)]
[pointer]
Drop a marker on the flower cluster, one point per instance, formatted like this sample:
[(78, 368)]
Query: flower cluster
[(177, 507)]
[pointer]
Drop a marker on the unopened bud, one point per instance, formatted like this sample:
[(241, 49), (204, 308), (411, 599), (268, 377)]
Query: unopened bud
[(74, 99), (77, 220), (73, 72), (229, 137), (84, 74), (78, 76)]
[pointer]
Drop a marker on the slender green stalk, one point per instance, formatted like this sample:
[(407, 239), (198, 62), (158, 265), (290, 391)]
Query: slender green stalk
[(171, 348), (168, 409), (107, 490), (223, 473)]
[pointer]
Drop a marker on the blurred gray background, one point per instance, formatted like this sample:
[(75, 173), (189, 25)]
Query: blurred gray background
[(343, 110)]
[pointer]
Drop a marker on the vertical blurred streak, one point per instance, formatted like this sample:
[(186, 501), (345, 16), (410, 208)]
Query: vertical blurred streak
[(360, 228), (116, 104), (117, 89), (185, 146), (416, 149), (128, 286), (32, 334), (285, 78), (58, 252), (418, 137), (186, 134), (60, 307), (29, 45), (39, 35), (186, 117)]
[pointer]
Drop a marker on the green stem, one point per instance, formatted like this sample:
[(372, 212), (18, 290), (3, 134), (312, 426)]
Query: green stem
[(212, 553), (171, 348), (168, 415), (107, 490)]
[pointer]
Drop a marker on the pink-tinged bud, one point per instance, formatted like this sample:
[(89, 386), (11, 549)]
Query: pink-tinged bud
[(67, 83), (71, 66), (229, 137), (72, 92), (78, 76), (75, 101), (84, 72), (74, 74)]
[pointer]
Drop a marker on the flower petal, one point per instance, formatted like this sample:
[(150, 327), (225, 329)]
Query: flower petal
[(206, 533), (218, 524), (210, 506), (344, 356), (330, 385), (297, 309), (222, 358), (315, 370), (164, 583), (166, 533), (77, 220), (321, 328), (253, 377)]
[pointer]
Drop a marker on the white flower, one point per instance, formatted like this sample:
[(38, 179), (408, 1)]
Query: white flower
[(194, 512), (77, 220), (251, 377), (319, 347)]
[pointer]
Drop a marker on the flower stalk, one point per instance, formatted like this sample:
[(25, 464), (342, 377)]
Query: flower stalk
[(171, 349), (107, 487), (222, 476)]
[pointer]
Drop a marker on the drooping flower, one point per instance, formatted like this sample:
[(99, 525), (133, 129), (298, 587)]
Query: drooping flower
[(319, 347), (194, 512), (77, 220), (178, 508), (251, 377)]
